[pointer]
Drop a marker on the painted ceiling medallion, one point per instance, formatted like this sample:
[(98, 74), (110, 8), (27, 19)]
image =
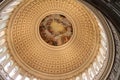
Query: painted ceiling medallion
[(56, 29)]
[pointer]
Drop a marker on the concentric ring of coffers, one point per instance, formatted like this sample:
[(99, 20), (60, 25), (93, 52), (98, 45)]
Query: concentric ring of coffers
[(13, 70)]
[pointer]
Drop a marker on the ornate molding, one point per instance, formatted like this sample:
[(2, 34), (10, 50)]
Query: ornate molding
[(115, 72)]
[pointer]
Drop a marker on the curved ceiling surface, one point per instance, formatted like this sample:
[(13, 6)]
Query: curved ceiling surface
[(55, 39)]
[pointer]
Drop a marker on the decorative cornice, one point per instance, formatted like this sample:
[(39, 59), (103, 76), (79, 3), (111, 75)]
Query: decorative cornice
[(115, 72)]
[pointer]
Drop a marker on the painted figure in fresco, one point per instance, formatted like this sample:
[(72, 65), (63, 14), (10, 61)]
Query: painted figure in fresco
[(56, 29)]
